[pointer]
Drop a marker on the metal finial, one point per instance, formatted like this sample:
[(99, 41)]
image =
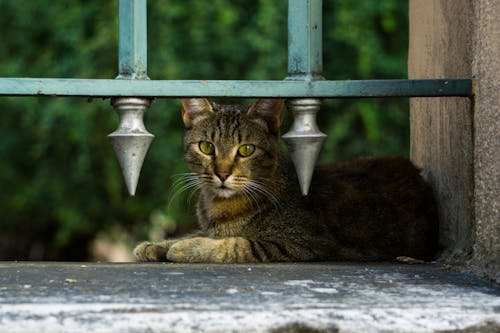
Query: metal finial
[(131, 140), (304, 140)]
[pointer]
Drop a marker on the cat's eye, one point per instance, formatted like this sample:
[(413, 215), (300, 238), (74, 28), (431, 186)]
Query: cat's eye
[(207, 147), (246, 150)]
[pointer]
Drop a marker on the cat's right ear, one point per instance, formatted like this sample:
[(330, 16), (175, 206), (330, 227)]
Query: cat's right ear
[(194, 109)]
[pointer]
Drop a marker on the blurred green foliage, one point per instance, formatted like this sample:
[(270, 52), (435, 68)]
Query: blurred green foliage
[(60, 183)]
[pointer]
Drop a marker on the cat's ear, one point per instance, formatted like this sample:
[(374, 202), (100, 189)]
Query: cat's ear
[(268, 110), (194, 109)]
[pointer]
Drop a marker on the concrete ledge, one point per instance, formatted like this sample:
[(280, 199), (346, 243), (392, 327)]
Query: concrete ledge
[(85, 297)]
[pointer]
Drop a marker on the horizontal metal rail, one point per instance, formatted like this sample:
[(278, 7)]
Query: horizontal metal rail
[(237, 88)]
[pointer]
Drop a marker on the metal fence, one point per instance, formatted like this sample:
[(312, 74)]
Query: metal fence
[(132, 90)]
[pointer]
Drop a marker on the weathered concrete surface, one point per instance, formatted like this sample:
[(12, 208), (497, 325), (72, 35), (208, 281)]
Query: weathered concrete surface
[(486, 69), (457, 140), (441, 129), (78, 297)]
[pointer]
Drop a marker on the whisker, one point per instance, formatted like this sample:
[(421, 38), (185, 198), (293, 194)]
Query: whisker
[(247, 193), (184, 182), (180, 179), (265, 190), (193, 192), (270, 181)]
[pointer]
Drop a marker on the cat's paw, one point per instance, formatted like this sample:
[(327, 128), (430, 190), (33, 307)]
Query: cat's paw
[(148, 251), (198, 249)]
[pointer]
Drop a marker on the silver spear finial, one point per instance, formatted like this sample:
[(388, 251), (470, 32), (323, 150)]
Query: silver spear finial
[(304, 140), (131, 140)]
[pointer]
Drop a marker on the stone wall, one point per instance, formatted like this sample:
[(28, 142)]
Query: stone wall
[(456, 140)]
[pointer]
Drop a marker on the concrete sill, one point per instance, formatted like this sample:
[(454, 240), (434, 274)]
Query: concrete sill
[(316, 297)]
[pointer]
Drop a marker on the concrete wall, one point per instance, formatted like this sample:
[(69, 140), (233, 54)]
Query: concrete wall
[(486, 69), (456, 140)]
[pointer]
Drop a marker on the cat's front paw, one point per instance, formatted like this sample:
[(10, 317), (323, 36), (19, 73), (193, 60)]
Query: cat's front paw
[(198, 249), (148, 251)]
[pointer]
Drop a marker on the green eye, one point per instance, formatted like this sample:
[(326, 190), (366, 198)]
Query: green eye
[(207, 147), (246, 150)]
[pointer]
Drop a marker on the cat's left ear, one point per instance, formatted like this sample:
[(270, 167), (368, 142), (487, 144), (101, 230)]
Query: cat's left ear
[(193, 109), (268, 110)]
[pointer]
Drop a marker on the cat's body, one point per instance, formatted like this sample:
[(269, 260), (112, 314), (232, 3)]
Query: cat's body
[(250, 207)]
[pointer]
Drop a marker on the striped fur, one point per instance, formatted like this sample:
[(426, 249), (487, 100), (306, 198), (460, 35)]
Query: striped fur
[(250, 208)]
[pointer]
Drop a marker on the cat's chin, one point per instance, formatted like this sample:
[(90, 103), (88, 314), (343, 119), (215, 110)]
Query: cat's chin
[(225, 193)]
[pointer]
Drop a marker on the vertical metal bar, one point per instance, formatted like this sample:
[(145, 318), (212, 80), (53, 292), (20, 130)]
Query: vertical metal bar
[(305, 29), (305, 62), (131, 140), (132, 47)]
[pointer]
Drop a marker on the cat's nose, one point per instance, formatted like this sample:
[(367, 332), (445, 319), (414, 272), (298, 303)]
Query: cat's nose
[(223, 176)]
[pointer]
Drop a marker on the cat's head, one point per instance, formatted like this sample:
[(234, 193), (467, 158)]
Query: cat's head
[(233, 149)]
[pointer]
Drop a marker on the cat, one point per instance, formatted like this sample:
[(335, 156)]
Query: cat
[(250, 207)]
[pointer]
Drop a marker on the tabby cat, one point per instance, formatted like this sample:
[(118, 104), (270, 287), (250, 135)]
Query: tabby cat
[(250, 208)]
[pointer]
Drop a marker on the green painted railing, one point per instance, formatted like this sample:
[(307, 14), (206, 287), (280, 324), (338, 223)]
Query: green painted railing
[(304, 67), (225, 88)]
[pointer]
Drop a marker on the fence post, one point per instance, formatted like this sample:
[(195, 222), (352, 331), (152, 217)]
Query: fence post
[(305, 62), (131, 140)]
